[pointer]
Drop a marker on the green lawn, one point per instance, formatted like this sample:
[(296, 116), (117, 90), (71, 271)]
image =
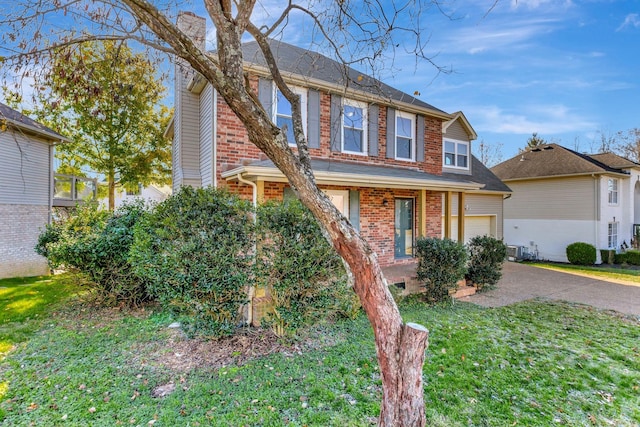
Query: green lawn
[(599, 272), (535, 363)]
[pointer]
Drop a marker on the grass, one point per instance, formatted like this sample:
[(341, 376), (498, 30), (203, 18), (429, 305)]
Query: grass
[(597, 272), (25, 303), (534, 363)]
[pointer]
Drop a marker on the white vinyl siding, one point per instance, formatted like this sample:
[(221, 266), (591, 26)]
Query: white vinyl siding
[(206, 136), (553, 199), (354, 127), (25, 169)]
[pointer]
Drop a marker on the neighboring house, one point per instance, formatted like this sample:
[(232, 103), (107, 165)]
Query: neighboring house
[(396, 166), (561, 196), (26, 191), (150, 194)]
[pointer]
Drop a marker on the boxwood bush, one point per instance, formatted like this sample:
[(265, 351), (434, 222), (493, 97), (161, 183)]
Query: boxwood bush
[(196, 251), (301, 270), (486, 256), (96, 243), (441, 264), (581, 253)]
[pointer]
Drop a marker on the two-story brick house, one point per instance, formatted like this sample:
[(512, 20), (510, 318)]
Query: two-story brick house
[(396, 166)]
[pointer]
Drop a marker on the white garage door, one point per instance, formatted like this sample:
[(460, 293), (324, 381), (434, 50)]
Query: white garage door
[(473, 226), (476, 226)]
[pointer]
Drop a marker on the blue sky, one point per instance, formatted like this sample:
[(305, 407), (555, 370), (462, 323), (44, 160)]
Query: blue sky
[(568, 70)]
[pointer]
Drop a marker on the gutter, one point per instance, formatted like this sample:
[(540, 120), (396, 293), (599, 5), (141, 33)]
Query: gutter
[(252, 288), (338, 178)]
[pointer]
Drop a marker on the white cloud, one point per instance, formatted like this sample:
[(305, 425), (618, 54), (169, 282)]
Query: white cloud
[(536, 4), (544, 119), (631, 20)]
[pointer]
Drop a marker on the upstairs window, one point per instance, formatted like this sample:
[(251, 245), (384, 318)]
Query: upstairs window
[(612, 184), (456, 154), (405, 136), (354, 127), (284, 113)]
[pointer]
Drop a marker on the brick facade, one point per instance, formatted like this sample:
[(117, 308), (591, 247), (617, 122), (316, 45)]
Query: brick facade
[(19, 231), (377, 222)]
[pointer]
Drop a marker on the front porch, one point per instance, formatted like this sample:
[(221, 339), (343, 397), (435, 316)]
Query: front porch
[(404, 277)]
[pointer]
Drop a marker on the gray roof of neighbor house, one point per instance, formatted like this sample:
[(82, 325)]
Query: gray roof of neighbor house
[(614, 161), (550, 160), (19, 120), (312, 65), (481, 174)]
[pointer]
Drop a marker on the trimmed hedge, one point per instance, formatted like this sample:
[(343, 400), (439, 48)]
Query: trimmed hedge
[(441, 263), (196, 251), (96, 243), (581, 253), (486, 256), (303, 273)]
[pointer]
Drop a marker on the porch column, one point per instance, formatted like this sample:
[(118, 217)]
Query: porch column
[(422, 214), (461, 210), (260, 187), (447, 214)]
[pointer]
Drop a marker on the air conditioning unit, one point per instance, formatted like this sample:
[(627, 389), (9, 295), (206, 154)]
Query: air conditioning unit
[(515, 253)]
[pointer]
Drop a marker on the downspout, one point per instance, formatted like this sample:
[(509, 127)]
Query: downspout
[(252, 288), (596, 209), (215, 138)]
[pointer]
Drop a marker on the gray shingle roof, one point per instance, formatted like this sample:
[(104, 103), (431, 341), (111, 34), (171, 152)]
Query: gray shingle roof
[(550, 160), (306, 63), (20, 120), (481, 174), (614, 161)]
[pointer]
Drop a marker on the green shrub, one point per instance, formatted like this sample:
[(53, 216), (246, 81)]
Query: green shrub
[(486, 256), (620, 258), (96, 244), (632, 257), (441, 263), (195, 250), (581, 253), (608, 256), (303, 273)]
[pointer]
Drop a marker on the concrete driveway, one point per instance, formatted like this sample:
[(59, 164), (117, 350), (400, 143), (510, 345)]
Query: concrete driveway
[(522, 282)]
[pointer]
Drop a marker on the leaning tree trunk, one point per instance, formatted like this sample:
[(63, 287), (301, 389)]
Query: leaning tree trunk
[(399, 347), (112, 190)]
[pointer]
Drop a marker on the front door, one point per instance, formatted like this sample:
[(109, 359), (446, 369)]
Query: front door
[(404, 228)]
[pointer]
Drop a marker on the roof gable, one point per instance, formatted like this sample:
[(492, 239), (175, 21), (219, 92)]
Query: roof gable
[(311, 65), (550, 160), (21, 121)]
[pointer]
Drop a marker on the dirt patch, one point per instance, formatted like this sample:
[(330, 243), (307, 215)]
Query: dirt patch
[(179, 353)]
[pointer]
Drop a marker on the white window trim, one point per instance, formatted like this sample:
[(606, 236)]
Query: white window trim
[(456, 142), (344, 209), (611, 192), (412, 117), (610, 234), (365, 130), (303, 107)]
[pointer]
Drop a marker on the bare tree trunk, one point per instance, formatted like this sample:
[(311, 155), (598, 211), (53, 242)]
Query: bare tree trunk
[(400, 348), (112, 190)]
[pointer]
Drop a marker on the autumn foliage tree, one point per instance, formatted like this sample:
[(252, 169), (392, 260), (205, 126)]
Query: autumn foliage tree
[(107, 100), (362, 32)]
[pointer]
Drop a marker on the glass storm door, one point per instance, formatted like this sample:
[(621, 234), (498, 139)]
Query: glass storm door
[(404, 228)]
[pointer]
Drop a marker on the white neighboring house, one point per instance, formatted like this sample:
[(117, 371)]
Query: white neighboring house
[(150, 194), (561, 196), (26, 191)]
